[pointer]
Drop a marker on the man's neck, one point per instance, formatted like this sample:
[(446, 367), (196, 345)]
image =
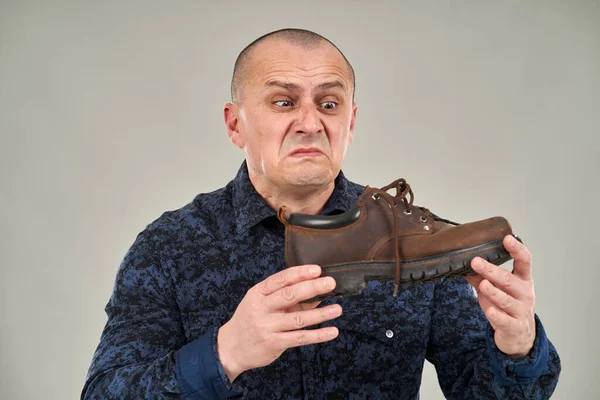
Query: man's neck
[(307, 200)]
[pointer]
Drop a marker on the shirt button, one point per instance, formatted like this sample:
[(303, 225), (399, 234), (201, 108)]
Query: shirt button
[(389, 334)]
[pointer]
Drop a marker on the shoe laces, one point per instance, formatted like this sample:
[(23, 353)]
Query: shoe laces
[(404, 196)]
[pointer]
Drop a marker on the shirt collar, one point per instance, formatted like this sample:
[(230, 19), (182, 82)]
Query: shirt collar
[(250, 208)]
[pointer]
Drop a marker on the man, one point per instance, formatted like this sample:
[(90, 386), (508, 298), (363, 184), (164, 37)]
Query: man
[(203, 306)]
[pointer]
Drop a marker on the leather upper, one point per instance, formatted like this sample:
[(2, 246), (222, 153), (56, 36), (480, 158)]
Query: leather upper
[(366, 233)]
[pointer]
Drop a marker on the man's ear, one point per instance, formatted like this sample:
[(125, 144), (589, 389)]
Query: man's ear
[(231, 116), (352, 121)]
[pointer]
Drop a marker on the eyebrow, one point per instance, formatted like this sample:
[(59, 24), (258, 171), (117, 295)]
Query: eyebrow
[(294, 87), (331, 85)]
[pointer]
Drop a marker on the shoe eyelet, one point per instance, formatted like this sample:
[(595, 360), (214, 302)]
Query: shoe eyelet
[(375, 196), (423, 219), (407, 212)]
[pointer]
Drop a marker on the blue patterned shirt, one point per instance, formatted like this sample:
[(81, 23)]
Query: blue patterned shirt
[(186, 272)]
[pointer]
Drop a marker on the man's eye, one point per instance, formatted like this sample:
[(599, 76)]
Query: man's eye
[(283, 103), (329, 105)]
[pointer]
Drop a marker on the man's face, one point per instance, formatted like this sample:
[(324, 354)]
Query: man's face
[(296, 117)]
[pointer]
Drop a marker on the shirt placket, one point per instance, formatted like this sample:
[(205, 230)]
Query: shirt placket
[(309, 356), (311, 372)]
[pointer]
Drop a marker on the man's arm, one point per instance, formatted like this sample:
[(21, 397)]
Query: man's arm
[(142, 351), (468, 363)]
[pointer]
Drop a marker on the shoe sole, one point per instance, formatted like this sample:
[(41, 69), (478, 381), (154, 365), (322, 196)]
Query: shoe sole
[(352, 278)]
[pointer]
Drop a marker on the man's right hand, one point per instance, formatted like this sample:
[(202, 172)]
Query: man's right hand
[(269, 319)]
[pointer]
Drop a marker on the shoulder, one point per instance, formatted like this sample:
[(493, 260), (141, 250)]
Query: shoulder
[(203, 217)]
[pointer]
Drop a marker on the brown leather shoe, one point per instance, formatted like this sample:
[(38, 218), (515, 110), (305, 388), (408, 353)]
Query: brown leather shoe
[(385, 237)]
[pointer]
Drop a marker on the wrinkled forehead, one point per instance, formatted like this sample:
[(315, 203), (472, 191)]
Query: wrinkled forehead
[(278, 60)]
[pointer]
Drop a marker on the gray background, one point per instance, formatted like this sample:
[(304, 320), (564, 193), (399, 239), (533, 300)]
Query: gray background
[(111, 113)]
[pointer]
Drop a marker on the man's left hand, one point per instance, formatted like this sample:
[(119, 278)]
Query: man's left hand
[(508, 299)]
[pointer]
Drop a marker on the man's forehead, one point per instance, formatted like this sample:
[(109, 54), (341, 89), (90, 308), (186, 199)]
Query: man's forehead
[(279, 59)]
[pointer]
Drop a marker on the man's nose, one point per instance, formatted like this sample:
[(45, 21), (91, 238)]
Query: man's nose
[(309, 120)]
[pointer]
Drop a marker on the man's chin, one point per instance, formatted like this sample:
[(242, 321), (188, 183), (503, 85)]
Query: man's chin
[(309, 174)]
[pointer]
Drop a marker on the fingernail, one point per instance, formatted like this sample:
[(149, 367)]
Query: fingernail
[(512, 241), (328, 282), (476, 263), (313, 270), (335, 310), (333, 332)]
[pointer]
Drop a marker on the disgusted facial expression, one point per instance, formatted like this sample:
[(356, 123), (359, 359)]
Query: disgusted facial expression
[(295, 115)]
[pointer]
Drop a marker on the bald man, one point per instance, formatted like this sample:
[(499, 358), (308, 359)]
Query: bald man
[(204, 307)]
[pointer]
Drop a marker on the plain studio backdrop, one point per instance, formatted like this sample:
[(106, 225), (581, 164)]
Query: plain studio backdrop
[(111, 114)]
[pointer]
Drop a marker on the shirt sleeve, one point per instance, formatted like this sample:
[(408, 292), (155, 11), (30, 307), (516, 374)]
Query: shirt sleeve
[(143, 352), (467, 361), (508, 370), (200, 373)]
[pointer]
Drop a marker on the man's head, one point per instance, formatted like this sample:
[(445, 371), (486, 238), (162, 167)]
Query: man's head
[(292, 109)]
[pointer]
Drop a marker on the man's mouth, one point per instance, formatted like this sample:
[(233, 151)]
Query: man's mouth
[(307, 152)]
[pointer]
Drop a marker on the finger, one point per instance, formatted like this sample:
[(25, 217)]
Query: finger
[(474, 280), (500, 299), (499, 277), (303, 306), (288, 276), (302, 319), (308, 336), (499, 319), (288, 296), (521, 257)]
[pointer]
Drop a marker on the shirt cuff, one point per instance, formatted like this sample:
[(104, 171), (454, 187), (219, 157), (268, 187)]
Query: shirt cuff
[(199, 372), (510, 371)]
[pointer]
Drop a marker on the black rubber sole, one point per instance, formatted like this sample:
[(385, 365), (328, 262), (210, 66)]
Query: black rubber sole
[(352, 278)]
